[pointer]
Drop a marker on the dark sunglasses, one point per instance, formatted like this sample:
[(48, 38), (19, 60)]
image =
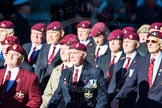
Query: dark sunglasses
[(152, 41)]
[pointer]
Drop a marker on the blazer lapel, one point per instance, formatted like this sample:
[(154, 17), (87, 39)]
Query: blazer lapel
[(133, 63), (16, 87), (158, 75), (85, 75), (45, 53), (144, 67), (2, 73), (70, 76), (120, 63), (28, 48)]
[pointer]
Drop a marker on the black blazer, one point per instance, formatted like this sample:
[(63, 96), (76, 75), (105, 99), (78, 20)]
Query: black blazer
[(75, 96)]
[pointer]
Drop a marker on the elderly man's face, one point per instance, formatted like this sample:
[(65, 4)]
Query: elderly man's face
[(13, 59), (115, 45), (4, 50), (99, 40), (76, 57), (153, 44), (143, 37), (129, 46), (53, 37), (36, 37), (64, 53), (3, 34), (83, 34)]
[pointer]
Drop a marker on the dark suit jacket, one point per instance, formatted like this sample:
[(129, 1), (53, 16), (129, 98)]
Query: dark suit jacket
[(102, 60), (131, 75), (116, 75), (27, 48), (42, 69), (24, 93), (155, 91), (75, 95), (140, 76), (23, 65), (142, 49)]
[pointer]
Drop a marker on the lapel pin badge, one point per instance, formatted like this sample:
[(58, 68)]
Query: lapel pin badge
[(20, 94), (64, 80), (88, 94), (160, 70), (18, 80)]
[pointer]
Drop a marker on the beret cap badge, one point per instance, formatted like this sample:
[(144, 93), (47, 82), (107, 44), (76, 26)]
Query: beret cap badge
[(77, 45), (3, 25), (15, 46)]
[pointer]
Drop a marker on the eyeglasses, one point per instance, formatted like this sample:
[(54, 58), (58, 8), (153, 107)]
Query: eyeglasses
[(152, 41)]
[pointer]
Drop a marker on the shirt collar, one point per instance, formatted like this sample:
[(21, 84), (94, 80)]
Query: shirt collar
[(13, 69), (38, 47)]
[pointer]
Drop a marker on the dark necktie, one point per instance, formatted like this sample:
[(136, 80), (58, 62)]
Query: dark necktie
[(111, 67), (75, 76), (52, 55), (7, 80), (150, 72), (31, 56), (97, 55), (122, 80), (128, 61), (64, 67)]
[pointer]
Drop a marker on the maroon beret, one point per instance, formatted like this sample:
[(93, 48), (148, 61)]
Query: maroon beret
[(155, 25), (17, 48), (84, 24), (56, 26), (128, 29), (10, 40), (7, 24), (98, 29), (68, 39), (39, 27), (131, 36), (115, 34), (155, 34), (78, 46)]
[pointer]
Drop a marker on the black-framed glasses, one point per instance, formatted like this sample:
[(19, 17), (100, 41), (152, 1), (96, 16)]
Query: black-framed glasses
[(152, 41)]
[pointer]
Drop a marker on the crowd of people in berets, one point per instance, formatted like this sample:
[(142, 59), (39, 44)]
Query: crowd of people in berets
[(90, 69)]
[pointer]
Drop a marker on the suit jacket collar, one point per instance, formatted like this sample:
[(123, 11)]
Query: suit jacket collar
[(84, 77), (158, 75), (133, 63), (46, 49), (17, 83), (29, 47), (120, 63)]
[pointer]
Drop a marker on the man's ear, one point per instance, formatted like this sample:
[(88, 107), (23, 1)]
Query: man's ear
[(84, 54), (22, 58), (62, 33)]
